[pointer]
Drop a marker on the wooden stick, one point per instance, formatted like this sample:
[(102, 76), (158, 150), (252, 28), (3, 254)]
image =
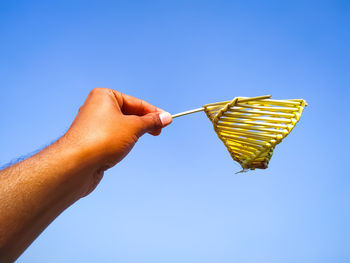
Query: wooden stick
[(187, 112), (213, 104)]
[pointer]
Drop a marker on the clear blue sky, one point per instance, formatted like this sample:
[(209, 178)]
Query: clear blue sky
[(175, 198)]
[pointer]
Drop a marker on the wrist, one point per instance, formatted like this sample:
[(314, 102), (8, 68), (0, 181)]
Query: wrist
[(76, 151), (83, 170)]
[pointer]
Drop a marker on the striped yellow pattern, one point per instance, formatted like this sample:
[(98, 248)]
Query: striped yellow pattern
[(251, 128)]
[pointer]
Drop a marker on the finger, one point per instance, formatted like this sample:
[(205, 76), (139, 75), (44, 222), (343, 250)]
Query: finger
[(135, 106), (156, 132), (154, 122)]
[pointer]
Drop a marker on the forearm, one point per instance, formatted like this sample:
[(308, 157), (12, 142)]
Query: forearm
[(35, 191)]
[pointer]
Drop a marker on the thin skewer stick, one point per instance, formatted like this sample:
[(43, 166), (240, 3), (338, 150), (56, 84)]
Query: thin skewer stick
[(213, 104), (187, 112)]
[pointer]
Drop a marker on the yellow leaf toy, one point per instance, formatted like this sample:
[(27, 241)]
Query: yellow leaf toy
[(251, 128)]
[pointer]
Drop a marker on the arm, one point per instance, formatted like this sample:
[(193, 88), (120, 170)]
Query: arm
[(35, 191)]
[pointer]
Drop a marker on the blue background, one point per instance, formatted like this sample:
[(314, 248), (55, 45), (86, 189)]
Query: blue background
[(175, 198)]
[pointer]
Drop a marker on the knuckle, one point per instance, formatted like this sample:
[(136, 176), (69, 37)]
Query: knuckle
[(95, 91), (156, 122), (118, 95), (141, 105)]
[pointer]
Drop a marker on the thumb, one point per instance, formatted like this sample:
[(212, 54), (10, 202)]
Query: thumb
[(155, 121)]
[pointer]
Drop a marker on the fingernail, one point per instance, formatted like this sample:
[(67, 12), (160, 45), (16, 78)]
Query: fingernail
[(165, 118)]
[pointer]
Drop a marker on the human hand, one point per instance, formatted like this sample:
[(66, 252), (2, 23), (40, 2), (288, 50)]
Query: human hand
[(36, 190), (107, 127)]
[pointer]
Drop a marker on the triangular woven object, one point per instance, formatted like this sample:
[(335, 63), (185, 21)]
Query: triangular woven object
[(250, 128)]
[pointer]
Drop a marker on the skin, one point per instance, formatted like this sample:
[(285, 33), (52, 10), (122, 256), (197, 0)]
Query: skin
[(35, 191)]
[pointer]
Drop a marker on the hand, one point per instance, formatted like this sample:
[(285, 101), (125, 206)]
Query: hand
[(108, 125), (35, 191)]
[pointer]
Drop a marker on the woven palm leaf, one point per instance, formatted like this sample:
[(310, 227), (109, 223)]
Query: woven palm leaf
[(251, 128)]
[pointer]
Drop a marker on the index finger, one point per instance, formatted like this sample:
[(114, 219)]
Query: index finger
[(134, 106)]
